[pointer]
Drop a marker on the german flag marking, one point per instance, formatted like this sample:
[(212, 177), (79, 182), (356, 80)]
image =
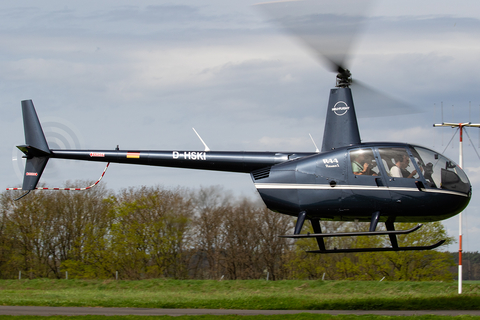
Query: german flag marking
[(133, 155)]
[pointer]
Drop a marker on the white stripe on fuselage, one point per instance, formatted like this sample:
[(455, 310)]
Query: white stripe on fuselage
[(349, 187)]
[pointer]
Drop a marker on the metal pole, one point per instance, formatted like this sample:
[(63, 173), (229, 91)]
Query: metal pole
[(460, 160), (460, 126)]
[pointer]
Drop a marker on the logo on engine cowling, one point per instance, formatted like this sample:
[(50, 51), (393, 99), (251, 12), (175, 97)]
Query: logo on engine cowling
[(340, 108)]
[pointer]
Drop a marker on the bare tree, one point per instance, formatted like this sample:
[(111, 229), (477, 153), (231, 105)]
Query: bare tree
[(211, 208), (274, 250)]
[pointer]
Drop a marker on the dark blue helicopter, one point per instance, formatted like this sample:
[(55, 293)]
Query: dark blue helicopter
[(346, 181)]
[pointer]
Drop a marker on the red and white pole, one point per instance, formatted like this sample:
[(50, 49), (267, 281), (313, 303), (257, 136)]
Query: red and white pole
[(460, 163)]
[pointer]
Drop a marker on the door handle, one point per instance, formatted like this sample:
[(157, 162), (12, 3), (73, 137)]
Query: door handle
[(420, 185), (379, 182)]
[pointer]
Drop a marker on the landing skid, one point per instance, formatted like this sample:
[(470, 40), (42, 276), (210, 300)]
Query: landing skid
[(433, 246), (391, 232), (351, 234)]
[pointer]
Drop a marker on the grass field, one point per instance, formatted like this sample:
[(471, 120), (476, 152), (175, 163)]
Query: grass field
[(249, 294), (301, 316)]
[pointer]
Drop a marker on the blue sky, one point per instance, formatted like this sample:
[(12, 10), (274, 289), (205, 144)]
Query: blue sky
[(142, 74)]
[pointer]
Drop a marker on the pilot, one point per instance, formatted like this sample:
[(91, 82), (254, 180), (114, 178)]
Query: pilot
[(399, 170), (362, 165)]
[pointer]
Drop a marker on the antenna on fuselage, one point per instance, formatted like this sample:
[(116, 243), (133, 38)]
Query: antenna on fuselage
[(316, 148), (206, 147)]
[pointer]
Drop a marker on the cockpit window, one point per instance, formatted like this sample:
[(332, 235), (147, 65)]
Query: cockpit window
[(397, 163), (441, 172), (363, 162)]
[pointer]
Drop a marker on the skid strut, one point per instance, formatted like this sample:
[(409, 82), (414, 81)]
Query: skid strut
[(391, 232)]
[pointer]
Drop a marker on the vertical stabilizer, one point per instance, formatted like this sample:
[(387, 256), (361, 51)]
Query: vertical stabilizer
[(35, 149), (34, 136), (33, 171), (341, 128)]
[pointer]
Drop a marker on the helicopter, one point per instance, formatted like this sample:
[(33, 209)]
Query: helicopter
[(347, 180)]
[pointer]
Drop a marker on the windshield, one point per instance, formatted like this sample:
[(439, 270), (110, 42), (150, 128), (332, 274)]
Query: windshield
[(439, 171)]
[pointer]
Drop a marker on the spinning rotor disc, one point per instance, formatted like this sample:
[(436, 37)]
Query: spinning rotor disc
[(329, 29)]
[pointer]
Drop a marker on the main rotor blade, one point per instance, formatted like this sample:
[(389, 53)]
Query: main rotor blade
[(371, 103), (328, 27)]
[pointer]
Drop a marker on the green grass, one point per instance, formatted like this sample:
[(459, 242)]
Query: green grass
[(301, 316), (249, 294)]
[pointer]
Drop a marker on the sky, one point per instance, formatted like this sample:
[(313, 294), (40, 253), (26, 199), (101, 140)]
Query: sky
[(141, 74)]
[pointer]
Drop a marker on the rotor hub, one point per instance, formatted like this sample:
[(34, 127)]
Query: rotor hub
[(344, 78)]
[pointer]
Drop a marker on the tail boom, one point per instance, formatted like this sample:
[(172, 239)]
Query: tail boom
[(240, 161), (38, 153)]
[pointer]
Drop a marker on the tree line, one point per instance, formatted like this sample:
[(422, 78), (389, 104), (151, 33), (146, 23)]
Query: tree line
[(156, 232), (470, 265)]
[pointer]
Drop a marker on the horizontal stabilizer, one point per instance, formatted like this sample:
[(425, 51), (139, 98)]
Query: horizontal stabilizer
[(30, 151)]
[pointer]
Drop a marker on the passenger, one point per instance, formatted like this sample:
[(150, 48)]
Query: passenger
[(399, 170), (361, 165)]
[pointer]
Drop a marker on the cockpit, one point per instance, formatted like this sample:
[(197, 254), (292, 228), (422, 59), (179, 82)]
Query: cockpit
[(410, 162), (439, 171)]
